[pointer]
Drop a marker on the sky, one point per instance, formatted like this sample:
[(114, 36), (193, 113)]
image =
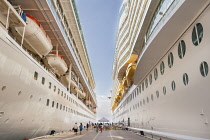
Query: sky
[(99, 21)]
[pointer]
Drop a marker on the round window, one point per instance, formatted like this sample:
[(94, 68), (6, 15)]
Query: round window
[(204, 69), (181, 49), (197, 34), (162, 67), (185, 79)]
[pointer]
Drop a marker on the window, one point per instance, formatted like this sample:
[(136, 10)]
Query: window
[(35, 75), (48, 102), (57, 106), (204, 69), (152, 97), (155, 74), (140, 89), (197, 34), (157, 94), (147, 100), (60, 107), (170, 59), (140, 103), (43, 80), (142, 86), (65, 95), (146, 83), (58, 91), (164, 90), (150, 79), (143, 101), (50, 85), (54, 88), (162, 67), (61, 93), (63, 108), (173, 85), (181, 49), (53, 104), (185, 79)]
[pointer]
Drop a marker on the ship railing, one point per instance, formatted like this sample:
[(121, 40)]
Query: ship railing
[(152, 133)]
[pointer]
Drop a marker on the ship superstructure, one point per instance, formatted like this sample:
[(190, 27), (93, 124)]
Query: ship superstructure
[(46, 78), (160, 70)]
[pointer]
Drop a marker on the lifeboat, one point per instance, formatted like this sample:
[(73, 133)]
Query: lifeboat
[(56, 63), (130, 70), (35, 38)]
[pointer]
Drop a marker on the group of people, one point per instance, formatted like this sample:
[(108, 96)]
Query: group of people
[(75, 128), (97, 127)]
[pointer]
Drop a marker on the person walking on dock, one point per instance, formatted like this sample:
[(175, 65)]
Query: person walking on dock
[(80, 128), (101, 127), (75, 128), (87, 126)]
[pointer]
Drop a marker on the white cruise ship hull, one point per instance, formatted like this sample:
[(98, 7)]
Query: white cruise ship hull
[(183, 109), (23, 100)]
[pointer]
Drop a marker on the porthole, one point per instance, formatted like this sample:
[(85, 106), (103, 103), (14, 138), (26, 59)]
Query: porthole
[(157, 94), (170, 59), (164, 90), (146, 83), (48, 102), (150, 79), (140, 89), (43, 80), (3, 88), (173, 85), (57, 106), (1, 114), (155, 74), (142, 86), (197, 34), (152, 97), (162, 67), (181, 49), (50, 85), (19, 93), (35, 75), (204, 69), (185, 79), (31, 96)]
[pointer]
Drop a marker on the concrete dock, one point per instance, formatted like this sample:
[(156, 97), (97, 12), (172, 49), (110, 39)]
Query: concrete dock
[(93, 135)]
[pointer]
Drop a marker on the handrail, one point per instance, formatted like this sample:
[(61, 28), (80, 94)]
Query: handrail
[(168, 135)]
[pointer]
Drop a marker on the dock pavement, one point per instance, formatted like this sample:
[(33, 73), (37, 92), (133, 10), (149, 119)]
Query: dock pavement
[(93, 135)]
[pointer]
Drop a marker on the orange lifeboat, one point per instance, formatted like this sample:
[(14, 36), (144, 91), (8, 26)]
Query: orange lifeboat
[(56, 63), (35, 38)]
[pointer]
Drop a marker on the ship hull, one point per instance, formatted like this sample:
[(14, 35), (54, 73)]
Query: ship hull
[(24, 112), (181, 109)]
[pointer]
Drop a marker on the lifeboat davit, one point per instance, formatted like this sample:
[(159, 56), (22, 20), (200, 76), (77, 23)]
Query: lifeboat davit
[(56, 63), (35, 38), (81, 92)]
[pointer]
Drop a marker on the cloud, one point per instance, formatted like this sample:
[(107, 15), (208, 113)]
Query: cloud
[(104, 107)]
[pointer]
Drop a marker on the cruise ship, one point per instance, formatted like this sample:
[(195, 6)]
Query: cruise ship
[(46, 79), (160, 69)]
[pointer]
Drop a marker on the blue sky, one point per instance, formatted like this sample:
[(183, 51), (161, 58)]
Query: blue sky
[(99, 21)]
